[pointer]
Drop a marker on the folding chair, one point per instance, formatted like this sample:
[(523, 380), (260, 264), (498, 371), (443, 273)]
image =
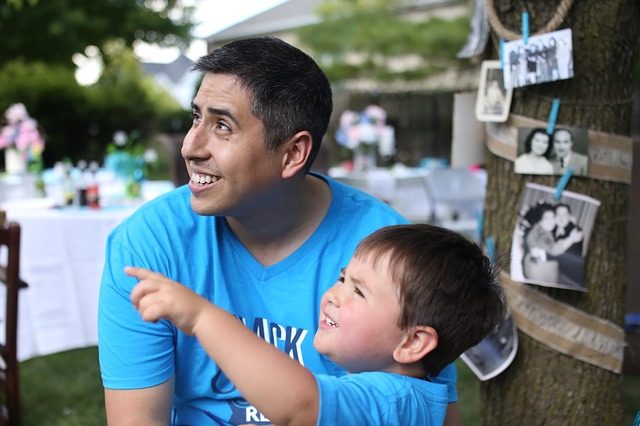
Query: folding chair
[(9, 276)]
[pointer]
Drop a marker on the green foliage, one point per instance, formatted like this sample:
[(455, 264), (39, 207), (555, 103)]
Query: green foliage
[(361, 38), (51, 31), (53, 98), (78, 121)]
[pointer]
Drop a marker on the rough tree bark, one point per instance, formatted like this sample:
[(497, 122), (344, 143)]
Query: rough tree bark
[(544, 387)]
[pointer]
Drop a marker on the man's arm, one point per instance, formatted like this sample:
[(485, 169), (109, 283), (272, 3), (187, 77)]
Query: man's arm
[(453, 415), (139, 407), (278, 386)]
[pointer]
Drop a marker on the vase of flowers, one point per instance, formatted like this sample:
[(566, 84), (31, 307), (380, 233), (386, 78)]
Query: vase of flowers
[(21, 139), (367, 135)]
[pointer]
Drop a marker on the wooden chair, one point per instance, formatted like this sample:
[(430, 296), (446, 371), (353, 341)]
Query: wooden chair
[(9, 276)]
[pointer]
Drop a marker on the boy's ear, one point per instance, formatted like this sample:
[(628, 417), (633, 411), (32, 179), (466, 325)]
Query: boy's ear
[(296, 154), (417, 343)]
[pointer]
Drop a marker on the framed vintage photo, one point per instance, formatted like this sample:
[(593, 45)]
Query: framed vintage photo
[(545, 57), (494, 100), (551, 237)]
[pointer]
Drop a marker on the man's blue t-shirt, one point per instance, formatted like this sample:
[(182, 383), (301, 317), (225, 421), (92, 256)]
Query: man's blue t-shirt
[(280, 303)]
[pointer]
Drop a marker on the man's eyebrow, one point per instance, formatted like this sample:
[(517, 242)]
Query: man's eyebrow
[(223, 112), (217, 111)]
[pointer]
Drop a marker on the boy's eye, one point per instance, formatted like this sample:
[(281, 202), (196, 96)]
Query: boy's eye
[(358, 292)]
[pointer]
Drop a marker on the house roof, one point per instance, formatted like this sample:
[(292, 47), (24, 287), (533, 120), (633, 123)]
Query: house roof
[(174, 70), (285, 16)]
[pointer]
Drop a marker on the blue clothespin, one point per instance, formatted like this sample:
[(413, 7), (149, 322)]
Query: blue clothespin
[(553, 115), (480, 225), (501, 53), (525, 27), (562, 183), (490, 246)]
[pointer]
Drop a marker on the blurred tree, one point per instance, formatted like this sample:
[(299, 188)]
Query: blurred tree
[(380, 40), (51, 31), (40, 38), (79, 121), (542, 386)]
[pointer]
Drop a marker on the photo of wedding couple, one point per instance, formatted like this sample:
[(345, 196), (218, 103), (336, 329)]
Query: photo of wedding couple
[(551, 237), (542, 153)]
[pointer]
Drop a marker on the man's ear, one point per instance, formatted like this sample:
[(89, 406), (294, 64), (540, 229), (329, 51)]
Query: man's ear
[(296, 154), (417, 343)]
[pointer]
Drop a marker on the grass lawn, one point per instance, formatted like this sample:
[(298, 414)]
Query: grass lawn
[(65, 390)]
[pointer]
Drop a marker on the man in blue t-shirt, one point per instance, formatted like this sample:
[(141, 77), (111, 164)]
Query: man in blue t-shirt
[(253, 232)]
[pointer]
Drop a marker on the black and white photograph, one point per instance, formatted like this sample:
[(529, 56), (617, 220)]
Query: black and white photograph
[(570, 149), (534, 152), (551, 237), (541, 153), (495, 352), (545, 57), (494, 100)]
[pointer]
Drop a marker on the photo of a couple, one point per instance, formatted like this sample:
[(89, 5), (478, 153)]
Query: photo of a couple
[(541, 153), (551, 237)]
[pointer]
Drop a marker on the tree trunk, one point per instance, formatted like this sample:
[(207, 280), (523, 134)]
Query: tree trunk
[(542, 386)]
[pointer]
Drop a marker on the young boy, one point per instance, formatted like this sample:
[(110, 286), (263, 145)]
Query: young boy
[(412, 299)]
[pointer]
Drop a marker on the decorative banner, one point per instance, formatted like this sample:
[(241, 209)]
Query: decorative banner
[(564, 328), (610, 155)]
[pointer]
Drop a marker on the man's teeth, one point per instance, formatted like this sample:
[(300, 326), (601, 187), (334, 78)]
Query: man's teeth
[(331, 322), (203, 179)]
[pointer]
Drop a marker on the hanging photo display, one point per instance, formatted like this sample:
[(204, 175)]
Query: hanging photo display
[(479, 34), (494, 100), (495, 352), (543, 58), (551, 237), (541, 153)]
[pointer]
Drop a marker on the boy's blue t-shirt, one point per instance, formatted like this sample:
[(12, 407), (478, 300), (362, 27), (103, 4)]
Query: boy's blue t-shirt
[(383, 399), (279, 303)]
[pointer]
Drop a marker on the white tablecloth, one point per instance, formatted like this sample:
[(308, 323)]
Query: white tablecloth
[(62, 255)]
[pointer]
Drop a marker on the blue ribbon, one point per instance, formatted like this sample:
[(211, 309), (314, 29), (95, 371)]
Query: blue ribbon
[(553, 115), (490, 245), (562, 183), (525, 27)]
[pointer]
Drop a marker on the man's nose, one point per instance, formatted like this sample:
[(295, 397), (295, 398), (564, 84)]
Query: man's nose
[(194, 143)]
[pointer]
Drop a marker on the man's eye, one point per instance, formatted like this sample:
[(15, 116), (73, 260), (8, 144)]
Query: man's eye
[(195, 117), (223, 126)]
